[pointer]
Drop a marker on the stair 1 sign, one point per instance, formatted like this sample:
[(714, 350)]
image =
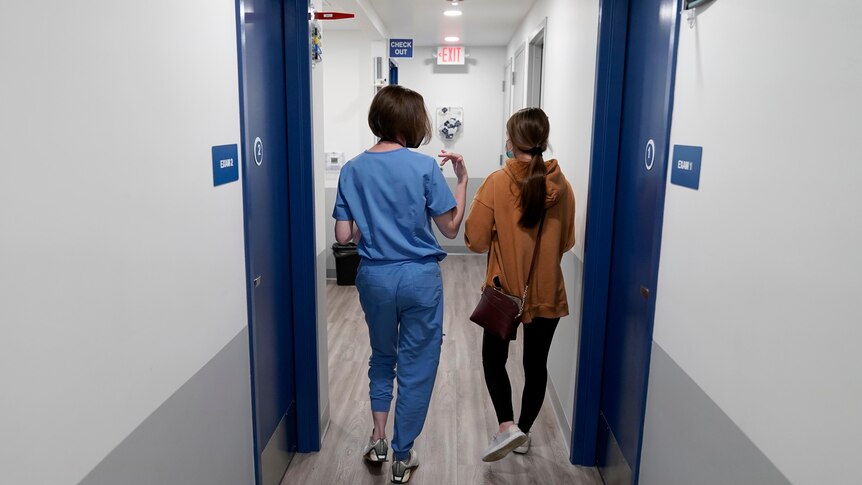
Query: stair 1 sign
[(450, 56)]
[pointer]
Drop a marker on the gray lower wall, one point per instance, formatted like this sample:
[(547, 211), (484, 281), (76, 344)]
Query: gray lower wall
[(563, 357), (689, 440), (450, 245), (200, 436), (322, 345)]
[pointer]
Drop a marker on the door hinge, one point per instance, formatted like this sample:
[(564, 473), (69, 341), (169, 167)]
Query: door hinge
[(513, 78), (504, 86)]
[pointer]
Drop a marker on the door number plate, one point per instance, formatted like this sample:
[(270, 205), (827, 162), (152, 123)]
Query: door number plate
[(258, 151), (649, 154)]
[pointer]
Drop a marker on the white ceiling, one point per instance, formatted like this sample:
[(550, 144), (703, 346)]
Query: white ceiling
[(360, 22), (484, 22)]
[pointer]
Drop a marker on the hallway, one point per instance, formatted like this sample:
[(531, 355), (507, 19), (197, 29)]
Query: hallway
[(168, 312), (461, 418)]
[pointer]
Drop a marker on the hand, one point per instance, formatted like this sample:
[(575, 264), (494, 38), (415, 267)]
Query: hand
[(457, 164)]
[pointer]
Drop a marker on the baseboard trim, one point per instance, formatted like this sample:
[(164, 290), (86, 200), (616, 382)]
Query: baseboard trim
[(276, 455), (325, 422), (611, 462), (457, 251), (562, 422)]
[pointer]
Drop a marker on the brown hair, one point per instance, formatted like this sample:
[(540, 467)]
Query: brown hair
[(528, 131), (398, 114)]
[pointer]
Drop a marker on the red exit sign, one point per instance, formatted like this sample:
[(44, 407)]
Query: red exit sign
[(450, 56)]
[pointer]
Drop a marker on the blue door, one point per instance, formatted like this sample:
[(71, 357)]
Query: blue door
[(641, 176), (393, 72), (268, 246)]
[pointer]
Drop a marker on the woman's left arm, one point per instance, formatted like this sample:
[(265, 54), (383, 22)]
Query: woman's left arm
[(568, 232), (479, 227)]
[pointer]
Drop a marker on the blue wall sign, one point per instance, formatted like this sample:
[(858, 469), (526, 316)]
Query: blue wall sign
[(401, 48), (225, 164), (685, 169)]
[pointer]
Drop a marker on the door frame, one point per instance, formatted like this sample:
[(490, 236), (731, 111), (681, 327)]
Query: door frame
[(540, 32), (299, 141), (300, 148), (604, 161), (507, 105)]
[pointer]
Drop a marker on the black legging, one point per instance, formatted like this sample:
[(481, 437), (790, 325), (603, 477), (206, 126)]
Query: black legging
[(538, 335)]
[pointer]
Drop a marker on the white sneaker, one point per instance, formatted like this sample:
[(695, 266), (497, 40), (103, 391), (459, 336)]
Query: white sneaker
[(402, 471), (376, 451), (523, 449), (503, 443)]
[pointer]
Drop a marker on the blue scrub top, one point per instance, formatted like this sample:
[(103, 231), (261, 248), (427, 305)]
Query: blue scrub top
[(392, 197)]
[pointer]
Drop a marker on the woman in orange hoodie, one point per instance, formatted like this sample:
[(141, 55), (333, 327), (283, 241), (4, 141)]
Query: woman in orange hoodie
[(504, 219)]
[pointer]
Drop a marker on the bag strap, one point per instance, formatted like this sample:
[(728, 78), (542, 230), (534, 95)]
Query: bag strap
[(533, 263)]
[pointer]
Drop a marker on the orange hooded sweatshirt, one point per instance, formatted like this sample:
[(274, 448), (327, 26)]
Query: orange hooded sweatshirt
[(493, 225)]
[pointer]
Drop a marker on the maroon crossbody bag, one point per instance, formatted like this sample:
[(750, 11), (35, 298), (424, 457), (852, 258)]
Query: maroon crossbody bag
[(499, 312)]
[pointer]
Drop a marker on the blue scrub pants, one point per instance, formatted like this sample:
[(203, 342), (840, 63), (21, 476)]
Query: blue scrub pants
[(403, 304)]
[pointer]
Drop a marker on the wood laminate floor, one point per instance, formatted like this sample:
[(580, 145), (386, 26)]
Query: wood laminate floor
[(461, 419)]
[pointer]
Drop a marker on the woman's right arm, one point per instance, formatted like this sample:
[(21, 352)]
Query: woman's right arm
[(347, 231)]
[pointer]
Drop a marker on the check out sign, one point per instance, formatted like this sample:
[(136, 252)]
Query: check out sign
[(401, 48), (450, 56)]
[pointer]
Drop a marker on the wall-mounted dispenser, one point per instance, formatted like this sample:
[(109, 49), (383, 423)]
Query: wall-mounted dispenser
[(690, 10)]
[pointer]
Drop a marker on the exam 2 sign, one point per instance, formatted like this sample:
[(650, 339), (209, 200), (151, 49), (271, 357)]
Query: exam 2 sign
[(450, 56), (225, 164)]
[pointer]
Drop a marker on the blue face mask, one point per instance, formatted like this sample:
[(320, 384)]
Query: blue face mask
[(510, 154)]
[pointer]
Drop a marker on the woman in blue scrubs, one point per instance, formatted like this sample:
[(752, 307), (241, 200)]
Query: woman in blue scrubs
[(387, 198)]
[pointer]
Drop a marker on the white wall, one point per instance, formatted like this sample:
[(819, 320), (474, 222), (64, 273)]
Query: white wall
[(349, 89), (348, 86), (569, 87), (121, 266), (476, 87), (568, 92), (759, 279)]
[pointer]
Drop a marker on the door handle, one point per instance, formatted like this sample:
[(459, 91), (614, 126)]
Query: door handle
[(645, 292), (257, 281)]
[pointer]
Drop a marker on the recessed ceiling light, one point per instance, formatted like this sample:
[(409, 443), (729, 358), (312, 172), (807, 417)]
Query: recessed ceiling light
[(453, 13), (455, 3), (452, 39)]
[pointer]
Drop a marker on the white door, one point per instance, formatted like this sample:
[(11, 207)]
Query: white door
[(534, 82), (518, 85)]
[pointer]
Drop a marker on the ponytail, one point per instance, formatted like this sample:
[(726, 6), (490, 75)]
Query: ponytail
[(528, 131), (533, 191)]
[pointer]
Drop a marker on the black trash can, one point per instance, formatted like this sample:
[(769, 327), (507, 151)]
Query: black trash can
[(346, 263)]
